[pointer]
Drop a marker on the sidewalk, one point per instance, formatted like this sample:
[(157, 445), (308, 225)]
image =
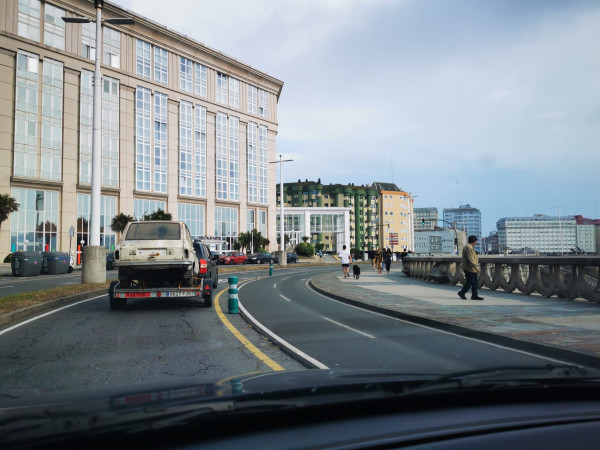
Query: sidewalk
[(558, 328)]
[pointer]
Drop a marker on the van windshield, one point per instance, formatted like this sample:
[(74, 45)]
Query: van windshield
[(153, 230)]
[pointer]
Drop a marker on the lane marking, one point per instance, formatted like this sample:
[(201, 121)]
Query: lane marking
[(48, 313), (283, 279), (349, 328), (7, 286), (275, 286), (245, 342), (437, 330), (70, 282), (284, 297), (278, 339)]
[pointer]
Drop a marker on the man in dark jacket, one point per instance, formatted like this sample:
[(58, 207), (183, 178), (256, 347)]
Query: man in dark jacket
[(470, 265)]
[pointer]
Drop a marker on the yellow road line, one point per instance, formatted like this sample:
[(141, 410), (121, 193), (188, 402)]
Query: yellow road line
[(245, 342)]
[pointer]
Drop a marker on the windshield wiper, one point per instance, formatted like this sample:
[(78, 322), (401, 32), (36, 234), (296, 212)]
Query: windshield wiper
[(505, 376)]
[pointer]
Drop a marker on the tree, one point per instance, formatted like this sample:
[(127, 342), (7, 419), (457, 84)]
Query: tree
[(119, 222), (305, 238), (244, 240), (7, 205), (319, 246), (159, 214)]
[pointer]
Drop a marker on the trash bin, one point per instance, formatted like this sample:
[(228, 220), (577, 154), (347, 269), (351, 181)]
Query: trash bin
[(55, 263), (26, 264)]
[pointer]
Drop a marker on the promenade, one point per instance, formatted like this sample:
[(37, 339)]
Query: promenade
[(565, 330)]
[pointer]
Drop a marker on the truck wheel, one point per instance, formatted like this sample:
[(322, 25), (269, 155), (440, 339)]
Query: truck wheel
[(208, 301), (115, 303), (216, 281)]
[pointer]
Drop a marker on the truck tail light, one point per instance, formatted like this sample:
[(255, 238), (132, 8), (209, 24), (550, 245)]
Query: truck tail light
[(203, 266)]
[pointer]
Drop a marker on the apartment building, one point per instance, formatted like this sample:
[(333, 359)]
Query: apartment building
[(395, 217), (185, 128), (466, 218), (425, 219)]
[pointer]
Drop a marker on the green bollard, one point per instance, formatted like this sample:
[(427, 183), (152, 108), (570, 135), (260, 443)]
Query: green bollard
[(233, 295), (271, 270)]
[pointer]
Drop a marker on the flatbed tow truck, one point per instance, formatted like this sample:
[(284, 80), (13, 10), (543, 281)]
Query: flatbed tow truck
[(118, 296)]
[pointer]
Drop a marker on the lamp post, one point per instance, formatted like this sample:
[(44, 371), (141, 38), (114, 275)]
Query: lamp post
[(94, 256), (282, 254)]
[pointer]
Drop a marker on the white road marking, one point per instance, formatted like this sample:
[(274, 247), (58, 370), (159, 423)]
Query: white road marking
[(7, 286), (70, 282), (349, 328), (284, 297), (48, 313), (277, 339), (283, 279), (438, 330), (275, 286), (222, 281)]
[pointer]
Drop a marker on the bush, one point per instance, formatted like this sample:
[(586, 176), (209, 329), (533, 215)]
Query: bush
[(305, 249), (8, 258)]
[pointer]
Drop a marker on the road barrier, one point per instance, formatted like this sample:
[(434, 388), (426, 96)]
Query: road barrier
[(232, 304)]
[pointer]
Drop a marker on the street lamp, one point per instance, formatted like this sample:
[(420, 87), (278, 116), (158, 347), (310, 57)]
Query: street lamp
[(282, 255), (94, 256)]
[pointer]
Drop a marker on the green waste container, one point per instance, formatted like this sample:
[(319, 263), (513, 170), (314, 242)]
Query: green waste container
[(26, 264), (55, 263)]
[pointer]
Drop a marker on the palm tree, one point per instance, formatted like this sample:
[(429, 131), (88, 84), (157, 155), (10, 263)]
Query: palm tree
[(7, 206), (119, 222), (159, 214)]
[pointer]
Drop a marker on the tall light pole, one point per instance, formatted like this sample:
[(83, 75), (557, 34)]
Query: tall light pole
[(282, 254), (94, 256)]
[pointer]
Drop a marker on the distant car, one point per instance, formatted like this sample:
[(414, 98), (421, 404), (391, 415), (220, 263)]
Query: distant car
[(292, 257), (260, 258), (110, 261), (234, 258), (207, 260)]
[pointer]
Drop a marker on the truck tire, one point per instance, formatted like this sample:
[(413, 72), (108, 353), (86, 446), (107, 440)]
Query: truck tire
[(216, 281), (115, 303)]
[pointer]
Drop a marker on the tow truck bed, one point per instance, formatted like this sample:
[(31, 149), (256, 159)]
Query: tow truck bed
[(118, 296)]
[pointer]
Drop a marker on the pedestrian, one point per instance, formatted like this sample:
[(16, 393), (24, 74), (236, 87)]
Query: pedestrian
[(379, 260), (388, 261), (403, 254), (470, 266), (320, 256), (346, 259)]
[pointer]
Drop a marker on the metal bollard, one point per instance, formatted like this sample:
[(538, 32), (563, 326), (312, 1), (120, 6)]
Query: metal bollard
[(233, 295), (271, 270)]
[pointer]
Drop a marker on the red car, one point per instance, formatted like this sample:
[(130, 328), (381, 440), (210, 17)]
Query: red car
[(234, 258)]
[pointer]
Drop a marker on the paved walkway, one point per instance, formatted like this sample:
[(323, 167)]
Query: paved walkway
[(562, 329)]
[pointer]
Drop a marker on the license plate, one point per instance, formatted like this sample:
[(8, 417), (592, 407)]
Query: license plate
[(137, 294), (182, 294)]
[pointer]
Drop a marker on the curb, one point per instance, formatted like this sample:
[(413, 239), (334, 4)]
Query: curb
[(485, 336), (20, 315)]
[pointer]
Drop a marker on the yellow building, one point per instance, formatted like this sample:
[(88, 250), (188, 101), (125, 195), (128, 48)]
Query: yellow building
[(395, 217), (185, 128)]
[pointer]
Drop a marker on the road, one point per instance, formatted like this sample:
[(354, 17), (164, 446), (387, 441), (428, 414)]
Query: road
[(86, 345), (10, 285), (341, 336)]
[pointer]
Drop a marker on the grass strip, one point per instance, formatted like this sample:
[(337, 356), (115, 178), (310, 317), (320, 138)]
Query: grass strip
[(26, 299)]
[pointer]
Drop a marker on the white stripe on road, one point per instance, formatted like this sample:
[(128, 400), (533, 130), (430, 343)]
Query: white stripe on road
[(284, 297), (70, 282), (436, 329), (7, 286), (277, 339), (48, 313), (349, 328), (275, 286)]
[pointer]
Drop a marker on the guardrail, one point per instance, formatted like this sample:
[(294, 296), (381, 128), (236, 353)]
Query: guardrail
[(564, 276)]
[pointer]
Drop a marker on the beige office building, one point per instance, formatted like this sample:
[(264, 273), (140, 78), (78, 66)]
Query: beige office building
[(395, 217), (185, 128)]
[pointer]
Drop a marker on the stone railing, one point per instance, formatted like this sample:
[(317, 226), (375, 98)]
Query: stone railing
[(564, 276)]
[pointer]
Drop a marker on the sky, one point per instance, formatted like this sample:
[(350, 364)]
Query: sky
[(492, 103)]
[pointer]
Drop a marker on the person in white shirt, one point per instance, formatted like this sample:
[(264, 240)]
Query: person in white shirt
[(346, 259)]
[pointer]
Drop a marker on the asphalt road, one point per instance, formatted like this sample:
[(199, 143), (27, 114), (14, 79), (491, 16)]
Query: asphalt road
[(86, 345), (338, 335), (10, 285)]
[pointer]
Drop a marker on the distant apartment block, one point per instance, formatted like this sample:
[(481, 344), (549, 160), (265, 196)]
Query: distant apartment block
[(439, 242), (185, 128), (466, 218), (425, 219), (546, 234), (395, 217)]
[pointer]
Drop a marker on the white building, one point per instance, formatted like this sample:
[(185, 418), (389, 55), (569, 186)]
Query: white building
[(438, 242), (545, 234)]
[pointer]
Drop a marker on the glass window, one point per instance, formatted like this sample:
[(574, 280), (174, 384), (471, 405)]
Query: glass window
[(221, 156), (222, 94), (108, 209), (85, 126), (143, 207), (88, 40), (112, 47), (142, 58), (54, 26), (226, 222), (193, 216), (28, 19), (110, 131), (142, 139), (252, 159), (252, 99), (262, 165), (161, 65), (200, 86), (263, 109), (234, 92), (262, 223), (35, 225), (159, 161), (52, 99), (185, 74), (26, 115), (250, 220)]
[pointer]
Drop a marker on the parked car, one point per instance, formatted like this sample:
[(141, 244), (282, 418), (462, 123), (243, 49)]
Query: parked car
[(260, 258), (234, 258), (208, 261), (110, 261), (292, 257)]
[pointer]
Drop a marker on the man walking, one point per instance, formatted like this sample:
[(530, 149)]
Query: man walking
[(470, 265), (346, 259)]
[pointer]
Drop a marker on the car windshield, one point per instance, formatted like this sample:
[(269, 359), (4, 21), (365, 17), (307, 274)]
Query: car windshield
[(392, 187), (153, 231)]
